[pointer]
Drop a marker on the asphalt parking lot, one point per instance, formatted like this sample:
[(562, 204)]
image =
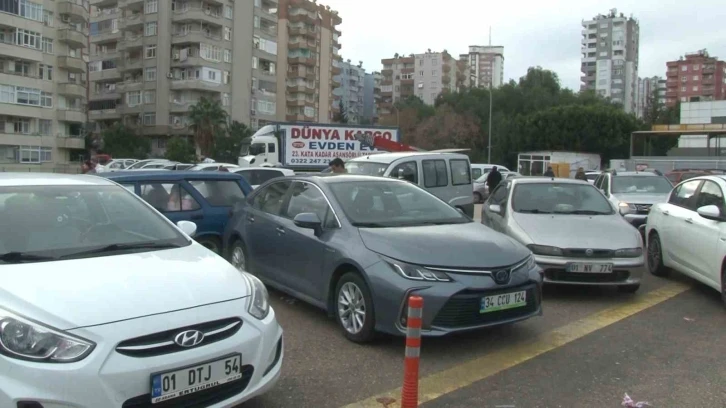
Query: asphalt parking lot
[(663, 345)]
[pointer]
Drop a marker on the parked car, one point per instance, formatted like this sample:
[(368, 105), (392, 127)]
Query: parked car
[(445, 175), (258, 175), (105, 303), (577, 236), (678, 175), (119, 164), (634, 192), (178, 166), (207, 198), (481, 189), (359, 246), (149, 164), (213, 166), (687, 233)]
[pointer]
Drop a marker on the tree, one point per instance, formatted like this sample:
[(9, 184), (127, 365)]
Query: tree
[(227, 147), (179, 149), (341, 116), (121, 141), (208, 120)]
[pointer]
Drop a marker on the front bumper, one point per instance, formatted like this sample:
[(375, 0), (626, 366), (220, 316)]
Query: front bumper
[(449, 307), (626, 271), (109, 379)]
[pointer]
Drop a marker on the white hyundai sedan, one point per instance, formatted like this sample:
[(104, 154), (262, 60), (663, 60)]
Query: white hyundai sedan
[(105, 303)]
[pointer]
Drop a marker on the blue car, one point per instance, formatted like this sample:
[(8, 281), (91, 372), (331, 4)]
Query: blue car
[(205, 198)]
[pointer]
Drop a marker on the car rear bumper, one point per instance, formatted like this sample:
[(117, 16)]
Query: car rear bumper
[(626, 271), (109, 379)]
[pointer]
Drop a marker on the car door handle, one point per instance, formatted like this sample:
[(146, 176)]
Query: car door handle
[(689, 220), (197, 217), (280, 230), (666, 212), (250, 218)]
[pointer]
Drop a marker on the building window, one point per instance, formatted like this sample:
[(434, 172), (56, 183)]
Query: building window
[(227, 77), (225, 99), (45, 127), (684, 99), (255, 62), (149, 119), (30, 10), (434, 73), (228, 11), (45, 72), (150, 51), (46, 99), (151, 6), (696, 67), (420, 73), (683, 89), (150, 74), (48, 18), (26, 38), (21, 126), (227, 56), (34, 154), (149, 97), (210, 52), (150, 28), (684, 68), (133, 98), (212, 75), (227, 33), (695, 88), (695, 77)]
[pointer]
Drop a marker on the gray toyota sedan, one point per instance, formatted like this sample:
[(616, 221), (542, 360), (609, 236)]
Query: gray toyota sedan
[(575, 233), (359, 246)]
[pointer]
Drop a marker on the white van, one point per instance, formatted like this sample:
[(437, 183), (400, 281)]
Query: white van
[(445, 175), (477, 170)]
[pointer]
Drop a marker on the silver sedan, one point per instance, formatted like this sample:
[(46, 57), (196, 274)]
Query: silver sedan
[(575, 233)]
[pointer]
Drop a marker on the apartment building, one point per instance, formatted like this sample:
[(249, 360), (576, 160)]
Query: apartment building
[(610, 45), (42, 84), (486, 65), (369, 97), (647, 87), (350, 92), (152, 60), (697, 77), (308, 61)]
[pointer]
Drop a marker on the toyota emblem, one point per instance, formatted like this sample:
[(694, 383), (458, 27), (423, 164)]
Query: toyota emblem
[(189, 338), (588, 252), (501, 276)]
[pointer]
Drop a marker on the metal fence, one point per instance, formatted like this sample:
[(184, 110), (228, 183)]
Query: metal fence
[(674, 163), (74, 168)]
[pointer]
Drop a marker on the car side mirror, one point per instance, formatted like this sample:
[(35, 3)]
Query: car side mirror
[(187, 227), (495, 208), (710, 212), (308, 220)]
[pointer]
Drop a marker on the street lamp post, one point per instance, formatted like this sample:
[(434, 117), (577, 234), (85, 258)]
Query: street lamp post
[(489, 136)]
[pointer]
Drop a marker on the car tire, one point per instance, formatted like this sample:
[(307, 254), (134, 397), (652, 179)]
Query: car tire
[(629, 288), (211, 243), (478, 198), (723, 286), (238, 256), (655, 256), (352, 286)]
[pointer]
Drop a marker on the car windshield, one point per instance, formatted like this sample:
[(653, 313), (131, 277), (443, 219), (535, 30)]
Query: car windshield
[(392, 204), (244, 149), (592, 176), (560, 198), (366, 168), (61, 222), (641, 184), (257, 148)]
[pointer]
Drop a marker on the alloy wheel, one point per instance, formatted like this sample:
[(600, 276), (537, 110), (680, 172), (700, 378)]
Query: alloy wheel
[(239, 260), (351, 308), (654, 255)]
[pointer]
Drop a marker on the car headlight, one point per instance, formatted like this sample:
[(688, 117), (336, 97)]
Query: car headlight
[(627, 208), (629, 252), (27, 340), (259, 305), (545, 250), (415, 272)]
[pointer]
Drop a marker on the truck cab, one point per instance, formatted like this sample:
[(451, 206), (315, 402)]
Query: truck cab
[(261, 149), (445, 175)]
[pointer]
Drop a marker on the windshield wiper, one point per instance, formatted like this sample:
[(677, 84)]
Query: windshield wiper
[(534, 211), (20, 257), (122, 247), (369, 225), (587, 212)]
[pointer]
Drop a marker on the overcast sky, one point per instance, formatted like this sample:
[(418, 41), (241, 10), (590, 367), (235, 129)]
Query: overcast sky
[(544, 33)]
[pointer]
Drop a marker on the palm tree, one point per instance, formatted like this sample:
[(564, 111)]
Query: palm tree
[(208, 120)]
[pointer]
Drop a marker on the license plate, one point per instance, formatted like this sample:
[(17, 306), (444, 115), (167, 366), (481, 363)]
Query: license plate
[(174, 384), (590, 267), (502, 302)]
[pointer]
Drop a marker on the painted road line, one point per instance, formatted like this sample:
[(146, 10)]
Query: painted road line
[(452, 379)]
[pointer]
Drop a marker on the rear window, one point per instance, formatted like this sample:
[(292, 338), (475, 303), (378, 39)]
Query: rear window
[(460, 173), (219, 193), (257, 177)]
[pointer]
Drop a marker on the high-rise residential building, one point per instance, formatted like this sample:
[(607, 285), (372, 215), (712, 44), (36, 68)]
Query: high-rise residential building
[(43, 90), (350, 93), (648, 88), (610, 46), (486, 65), (369, 98), (696, 78), (308, 58)]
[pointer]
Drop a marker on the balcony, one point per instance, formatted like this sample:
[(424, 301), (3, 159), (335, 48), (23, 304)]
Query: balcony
[(408, 81), (130, 85), (135, 109), (301, 18), (198, 84), (71, 142), (302, 61), (305, 32), (298, 88), (72, 64), (300, 103), (194, 37), (103, 56), (109, 10), (299, 117), (75, 39), (305, 45), (134, 40), (130, 64), (708, 69), (8, 47), (106, 37), (71, 115), (72, 89), (105, 75), (77, 10), (127, 4), (444, 80), (207, 15), (104, 94)]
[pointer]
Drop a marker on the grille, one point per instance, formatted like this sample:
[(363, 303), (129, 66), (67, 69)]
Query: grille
[(564, 276), (163, 342), (462, 309), (200, 399), (643, 209), (582, 253)]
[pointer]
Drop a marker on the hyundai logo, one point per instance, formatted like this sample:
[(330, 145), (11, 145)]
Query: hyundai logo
[(588, 252), (189, 338), (501, 276)]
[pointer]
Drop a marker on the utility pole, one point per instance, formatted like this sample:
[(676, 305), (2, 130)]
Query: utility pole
[(491, 76)]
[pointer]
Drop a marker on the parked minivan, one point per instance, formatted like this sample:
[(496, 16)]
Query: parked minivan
[(203, 197), (445, 175)]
